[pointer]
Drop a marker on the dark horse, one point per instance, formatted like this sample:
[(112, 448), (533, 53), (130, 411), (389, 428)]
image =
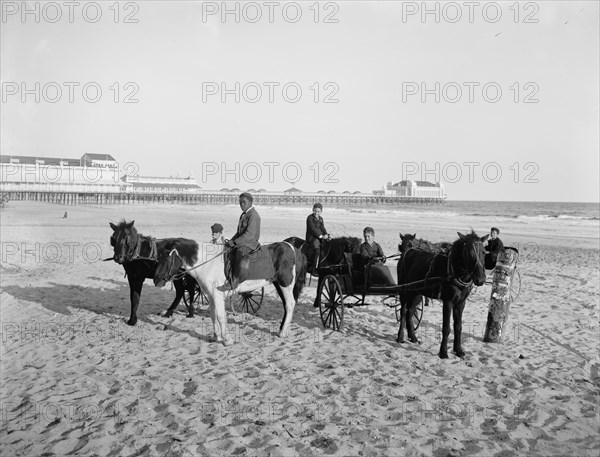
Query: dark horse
[(412, 242), (333, 252), (138, 255), (206, 266), (446, 277)]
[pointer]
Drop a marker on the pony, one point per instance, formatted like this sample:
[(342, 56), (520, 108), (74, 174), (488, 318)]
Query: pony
[(206, 266), (448, 277), (137, 254), (333, 252), (409, 241)]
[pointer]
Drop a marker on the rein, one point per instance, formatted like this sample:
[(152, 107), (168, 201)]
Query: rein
[(453, 277), (187, 270)]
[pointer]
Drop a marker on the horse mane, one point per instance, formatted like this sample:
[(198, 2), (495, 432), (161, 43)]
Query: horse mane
[(469, 237), (186, 248), (423, 244), (347, 241)]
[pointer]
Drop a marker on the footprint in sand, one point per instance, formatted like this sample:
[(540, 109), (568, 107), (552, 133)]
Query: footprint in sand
[(116, 387)]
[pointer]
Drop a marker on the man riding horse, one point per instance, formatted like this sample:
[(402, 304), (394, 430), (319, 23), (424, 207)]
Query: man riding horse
[(245, 247)]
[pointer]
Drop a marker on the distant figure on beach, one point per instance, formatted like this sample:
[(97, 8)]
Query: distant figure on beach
[(493, 248), (247, 235), (217, 234), (65, 215), (371, 252), (315, 234)]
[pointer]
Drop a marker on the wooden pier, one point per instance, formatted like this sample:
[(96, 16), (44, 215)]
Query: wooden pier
[(215, 198)]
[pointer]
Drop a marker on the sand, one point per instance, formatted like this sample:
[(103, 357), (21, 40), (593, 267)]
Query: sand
[(77, 381)]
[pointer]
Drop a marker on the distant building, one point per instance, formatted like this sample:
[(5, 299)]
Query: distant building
[(97, 178), (99, 160), (407, 188), (154, 184)]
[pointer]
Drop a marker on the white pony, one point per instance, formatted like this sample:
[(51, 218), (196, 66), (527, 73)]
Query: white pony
[(205, 263)]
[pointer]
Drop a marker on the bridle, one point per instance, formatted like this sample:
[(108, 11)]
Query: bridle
[(456, 276), (133, 252)]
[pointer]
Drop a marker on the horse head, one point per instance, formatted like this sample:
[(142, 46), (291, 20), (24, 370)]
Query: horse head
[(124, 241), (408, 242), (169, 262), (467, 258)]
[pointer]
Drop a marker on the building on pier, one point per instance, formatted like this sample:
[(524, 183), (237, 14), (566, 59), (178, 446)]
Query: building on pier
[(96, 178)]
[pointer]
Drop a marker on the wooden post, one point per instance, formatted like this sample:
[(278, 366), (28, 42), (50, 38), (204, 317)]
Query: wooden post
[(500, 297)]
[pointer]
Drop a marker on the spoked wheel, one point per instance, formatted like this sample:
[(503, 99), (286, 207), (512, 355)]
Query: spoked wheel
[(197, 298), (394, 301), (331, 303), (247, 302), (515, 286)]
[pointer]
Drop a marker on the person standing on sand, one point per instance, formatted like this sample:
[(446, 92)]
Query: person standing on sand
[(494, 247), (315, 233), (217, 234)]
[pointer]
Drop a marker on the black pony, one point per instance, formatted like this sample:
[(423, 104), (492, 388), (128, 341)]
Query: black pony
[(446, 277), (138, 254), (409, 241), (333, 252)]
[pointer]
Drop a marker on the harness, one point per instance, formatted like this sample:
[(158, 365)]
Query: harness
[(452, 278)]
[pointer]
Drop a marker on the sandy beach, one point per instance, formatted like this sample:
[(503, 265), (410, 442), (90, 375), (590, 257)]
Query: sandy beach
[(76, 380)]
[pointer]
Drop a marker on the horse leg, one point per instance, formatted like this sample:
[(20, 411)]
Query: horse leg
[(282, 297), (403, 306), (445, 329), (178, 296), (288, 305), (135, 290), (191, 288), (457, 315), (410, 328), (219, 317)]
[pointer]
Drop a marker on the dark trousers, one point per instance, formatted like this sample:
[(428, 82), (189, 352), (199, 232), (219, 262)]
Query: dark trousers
[(490, 260), (316, 250)]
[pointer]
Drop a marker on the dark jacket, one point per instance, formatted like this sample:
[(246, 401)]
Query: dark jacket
[(314, 228), (369, 251), (248, 231), (494, 246)]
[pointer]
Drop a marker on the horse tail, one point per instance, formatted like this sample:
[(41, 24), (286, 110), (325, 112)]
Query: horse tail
[(301, 269)]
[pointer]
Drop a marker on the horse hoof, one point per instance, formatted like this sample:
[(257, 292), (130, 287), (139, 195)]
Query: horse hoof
[(460, 354), (189, 316), (443, 355), (415, 340), (131, 322), (400, 340), (167, 314)]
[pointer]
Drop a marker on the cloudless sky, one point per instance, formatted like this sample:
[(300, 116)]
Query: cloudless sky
[(372, 56)]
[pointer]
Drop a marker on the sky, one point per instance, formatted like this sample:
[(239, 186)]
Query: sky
[(498, 101)]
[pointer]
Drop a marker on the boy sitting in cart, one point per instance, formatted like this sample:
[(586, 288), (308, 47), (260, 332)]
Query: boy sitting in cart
[(371, 253)]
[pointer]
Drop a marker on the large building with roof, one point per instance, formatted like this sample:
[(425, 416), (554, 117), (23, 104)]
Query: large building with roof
[(99, 178)]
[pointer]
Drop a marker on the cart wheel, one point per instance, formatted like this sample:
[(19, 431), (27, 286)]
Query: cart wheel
[(331, 303), (247, 302), (515, 286), (417, 312), (198, 297)]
